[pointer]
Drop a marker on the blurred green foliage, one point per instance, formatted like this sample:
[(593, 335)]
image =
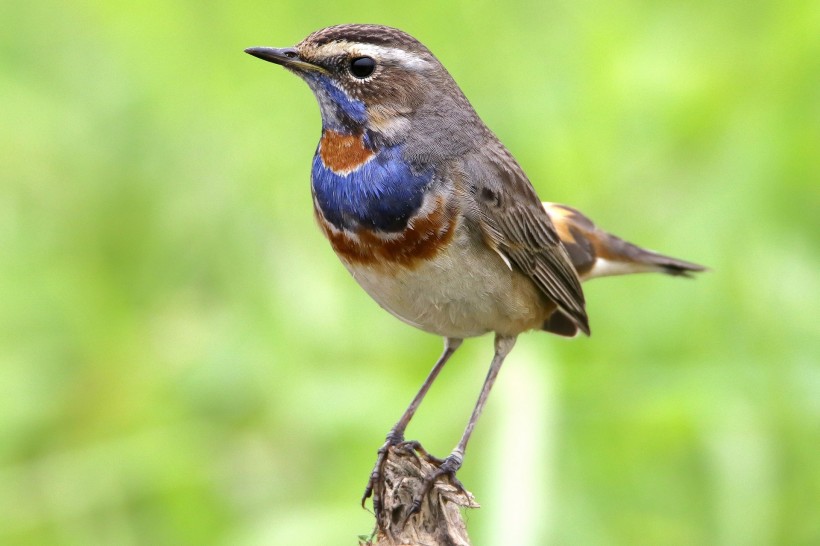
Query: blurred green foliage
[(184, 361)]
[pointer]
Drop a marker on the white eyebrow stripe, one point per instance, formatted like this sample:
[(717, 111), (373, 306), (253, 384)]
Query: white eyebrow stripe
[(404, 58), (400, 56)]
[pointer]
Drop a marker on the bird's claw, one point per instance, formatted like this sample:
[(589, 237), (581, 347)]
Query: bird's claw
[(375, 484), (446, 468), (415, 446)]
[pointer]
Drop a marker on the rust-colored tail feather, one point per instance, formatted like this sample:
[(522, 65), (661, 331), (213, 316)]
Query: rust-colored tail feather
[(596, 253)]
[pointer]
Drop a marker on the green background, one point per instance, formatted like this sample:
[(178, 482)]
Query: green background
[(184, 361)]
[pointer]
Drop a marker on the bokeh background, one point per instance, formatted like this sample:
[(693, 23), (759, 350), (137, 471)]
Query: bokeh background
[(184, 361)]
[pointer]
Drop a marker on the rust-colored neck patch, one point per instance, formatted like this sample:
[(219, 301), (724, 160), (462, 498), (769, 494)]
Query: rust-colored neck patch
[(342, 153), (423, 238)]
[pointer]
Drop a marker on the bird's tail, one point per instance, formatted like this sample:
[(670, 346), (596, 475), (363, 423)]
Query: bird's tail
[(596, 253)]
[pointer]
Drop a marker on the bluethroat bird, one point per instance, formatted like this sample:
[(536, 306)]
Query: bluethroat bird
[(433, 216)]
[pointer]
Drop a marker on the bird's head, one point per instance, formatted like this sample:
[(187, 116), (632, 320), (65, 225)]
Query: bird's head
[(366, 77)]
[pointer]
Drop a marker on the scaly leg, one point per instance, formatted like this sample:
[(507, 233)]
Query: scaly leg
[(451, 464), (396, 434)]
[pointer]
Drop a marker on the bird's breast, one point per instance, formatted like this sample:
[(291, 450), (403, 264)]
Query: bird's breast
[(356, 187), (425, 235), (438, 275)]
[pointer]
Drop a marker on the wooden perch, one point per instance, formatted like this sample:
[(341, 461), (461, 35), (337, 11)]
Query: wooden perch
[(439, 522)]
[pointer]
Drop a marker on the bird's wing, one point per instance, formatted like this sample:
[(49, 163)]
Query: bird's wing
[(516, 225)]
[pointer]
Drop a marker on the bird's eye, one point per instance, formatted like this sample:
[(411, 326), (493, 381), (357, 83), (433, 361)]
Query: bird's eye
[(362, 67)]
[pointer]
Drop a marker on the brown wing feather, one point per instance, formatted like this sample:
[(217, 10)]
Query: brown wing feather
[(519, 227)]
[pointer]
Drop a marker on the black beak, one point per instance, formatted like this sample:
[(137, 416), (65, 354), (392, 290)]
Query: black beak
[(274, 55), (285, 56)]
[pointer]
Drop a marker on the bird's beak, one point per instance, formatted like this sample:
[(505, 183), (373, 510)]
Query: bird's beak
[(286, 56)]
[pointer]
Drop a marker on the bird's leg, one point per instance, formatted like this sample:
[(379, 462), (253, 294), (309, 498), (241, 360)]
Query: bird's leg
[(451, 464), (396, 434)]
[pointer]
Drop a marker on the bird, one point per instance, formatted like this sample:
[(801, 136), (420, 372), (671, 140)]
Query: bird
[(434, 217)]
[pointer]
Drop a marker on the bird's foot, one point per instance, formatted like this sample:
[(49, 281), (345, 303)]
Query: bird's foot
[(400, 487), (420, 499), (445, 468), (375, 484)]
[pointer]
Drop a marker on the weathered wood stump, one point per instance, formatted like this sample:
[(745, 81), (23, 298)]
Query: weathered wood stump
[(439, 522)]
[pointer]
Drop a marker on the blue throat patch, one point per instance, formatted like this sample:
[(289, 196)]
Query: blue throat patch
[(382, 194), (360, 186), (346, 111)]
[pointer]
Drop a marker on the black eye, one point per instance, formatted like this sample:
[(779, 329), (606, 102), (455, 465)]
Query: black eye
[(362, 67)]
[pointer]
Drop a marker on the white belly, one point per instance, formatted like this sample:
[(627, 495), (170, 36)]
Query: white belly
[(465, 290)]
